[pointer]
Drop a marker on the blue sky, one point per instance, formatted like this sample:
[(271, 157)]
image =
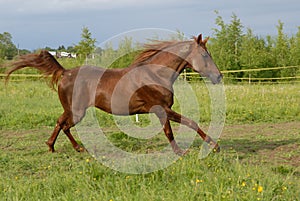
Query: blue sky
[(38, 23)]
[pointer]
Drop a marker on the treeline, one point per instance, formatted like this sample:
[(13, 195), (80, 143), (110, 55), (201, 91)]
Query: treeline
[(232, 46), (235, 49), (8, 50)]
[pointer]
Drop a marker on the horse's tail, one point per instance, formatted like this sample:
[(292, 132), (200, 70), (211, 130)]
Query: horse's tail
[(43, 61)]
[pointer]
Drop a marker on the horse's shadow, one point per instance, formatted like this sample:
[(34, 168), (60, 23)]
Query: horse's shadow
[(253, 146)]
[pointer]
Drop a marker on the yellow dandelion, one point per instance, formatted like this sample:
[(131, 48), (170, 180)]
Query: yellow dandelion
[(199, 181), (243, 184), (87, 160), (260, 189), (284, 188)]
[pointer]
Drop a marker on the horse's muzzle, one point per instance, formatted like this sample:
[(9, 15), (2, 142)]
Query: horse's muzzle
[(216, 79)]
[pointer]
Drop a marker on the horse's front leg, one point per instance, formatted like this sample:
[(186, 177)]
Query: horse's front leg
[(193, 125), (169, 133)]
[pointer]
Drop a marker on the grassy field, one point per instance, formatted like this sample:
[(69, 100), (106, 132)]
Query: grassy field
[(259, 160)]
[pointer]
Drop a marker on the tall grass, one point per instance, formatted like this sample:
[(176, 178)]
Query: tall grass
[(31, 104)]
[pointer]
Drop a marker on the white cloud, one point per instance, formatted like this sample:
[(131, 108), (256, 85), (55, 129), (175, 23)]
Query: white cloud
[(52, 6), (110, 17)]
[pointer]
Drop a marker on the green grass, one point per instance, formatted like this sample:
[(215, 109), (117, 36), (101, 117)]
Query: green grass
[(239, 172), (259, 159), (31, 104)]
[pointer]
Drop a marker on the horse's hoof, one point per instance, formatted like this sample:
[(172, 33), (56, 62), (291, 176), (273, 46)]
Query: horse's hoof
[(51, 147), (216, 149), (181, 152), (80, 149)]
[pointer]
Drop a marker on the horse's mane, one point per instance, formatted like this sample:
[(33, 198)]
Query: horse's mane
[(152, 49)]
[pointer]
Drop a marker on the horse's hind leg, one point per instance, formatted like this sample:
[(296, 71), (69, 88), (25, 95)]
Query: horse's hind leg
[(72, 121), (51, 141), (76, 146), (65, 122), (168, 132)]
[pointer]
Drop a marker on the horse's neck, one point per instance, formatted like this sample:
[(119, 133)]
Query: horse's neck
[(167, 63), (173, 59)]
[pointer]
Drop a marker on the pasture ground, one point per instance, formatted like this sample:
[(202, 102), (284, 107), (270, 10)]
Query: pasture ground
[(259, 160)]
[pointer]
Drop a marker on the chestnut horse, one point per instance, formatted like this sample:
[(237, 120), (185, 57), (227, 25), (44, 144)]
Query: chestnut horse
[(146, 86)]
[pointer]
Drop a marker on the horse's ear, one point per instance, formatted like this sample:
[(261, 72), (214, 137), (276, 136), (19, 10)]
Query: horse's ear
[(199, 39), (205, 41)]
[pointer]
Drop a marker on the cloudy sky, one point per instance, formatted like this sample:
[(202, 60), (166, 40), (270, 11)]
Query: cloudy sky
[(38, 23)]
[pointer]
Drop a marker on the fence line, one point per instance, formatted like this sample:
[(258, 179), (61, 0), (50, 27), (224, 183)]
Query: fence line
[(250, 70), (188, 74), (267, 78), (224, 72), (22, 75), (258, 69)]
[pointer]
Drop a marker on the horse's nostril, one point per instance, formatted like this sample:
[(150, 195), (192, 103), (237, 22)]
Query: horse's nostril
[(220, 78)]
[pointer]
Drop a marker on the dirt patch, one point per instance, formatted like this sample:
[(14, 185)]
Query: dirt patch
[(256, 143), (271, 143)]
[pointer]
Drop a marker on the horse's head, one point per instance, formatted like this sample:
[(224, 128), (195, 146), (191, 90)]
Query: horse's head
[(201, 61)]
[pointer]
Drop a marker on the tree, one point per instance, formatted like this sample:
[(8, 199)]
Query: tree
[(61, 48), (281, 47), (125, 53), (294, 52), (87, 45), (226, 43), (295, 49), (255, 54), (282, 52), (178, 36), (108, 55), (7, 49)]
